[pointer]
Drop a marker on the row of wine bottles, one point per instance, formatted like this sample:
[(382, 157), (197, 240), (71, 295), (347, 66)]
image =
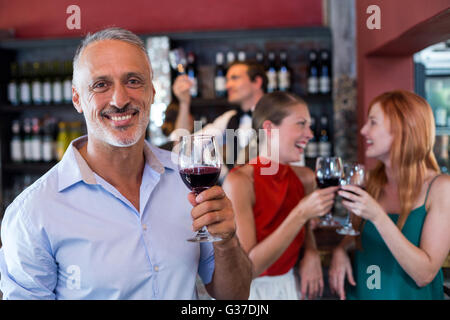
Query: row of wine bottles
[(279, 74), (41, 140), (40, 83), (320, 144)]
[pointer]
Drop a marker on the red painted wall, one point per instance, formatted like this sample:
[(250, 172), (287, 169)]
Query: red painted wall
[(384, 56), (47, 18)]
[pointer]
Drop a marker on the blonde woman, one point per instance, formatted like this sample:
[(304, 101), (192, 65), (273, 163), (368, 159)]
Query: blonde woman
[(405, 212)]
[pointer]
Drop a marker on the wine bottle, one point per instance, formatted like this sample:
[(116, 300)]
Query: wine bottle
[(191, 71), (27, 149), (312, 146), (284, 74), (57, 86), (219, 79), (36, 141), (16, 145), (324, 141), (325, 71), (47, 142), (13, 85), (67, 83), (313, 73), (260, 58), (36, 84), (230, 58), (46, 84), (25, 88), (271, 73)]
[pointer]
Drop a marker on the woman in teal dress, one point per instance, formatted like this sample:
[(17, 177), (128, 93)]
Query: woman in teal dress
[(404, 214)]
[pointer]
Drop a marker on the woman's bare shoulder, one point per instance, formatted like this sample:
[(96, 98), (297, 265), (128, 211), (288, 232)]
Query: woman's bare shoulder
[(306, 176)]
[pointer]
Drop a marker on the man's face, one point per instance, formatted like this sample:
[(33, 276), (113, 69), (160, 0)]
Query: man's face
[(239, 85), (114, 91)]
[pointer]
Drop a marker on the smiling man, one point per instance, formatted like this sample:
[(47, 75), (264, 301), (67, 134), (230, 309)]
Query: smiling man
[(111, 219)]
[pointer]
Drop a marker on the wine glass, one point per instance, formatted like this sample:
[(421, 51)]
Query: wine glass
[(328, 174), (178, 61), (199, 166), (354, 174)]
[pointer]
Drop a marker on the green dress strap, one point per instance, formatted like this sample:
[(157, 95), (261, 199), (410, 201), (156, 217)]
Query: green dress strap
[(429, 187)]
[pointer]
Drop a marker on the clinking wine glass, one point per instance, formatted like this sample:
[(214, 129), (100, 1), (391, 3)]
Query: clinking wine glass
[(199, 166), (328, 174), (354, 174)]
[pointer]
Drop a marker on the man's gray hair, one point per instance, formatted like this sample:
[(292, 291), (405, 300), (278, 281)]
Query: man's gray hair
[(113, 33)]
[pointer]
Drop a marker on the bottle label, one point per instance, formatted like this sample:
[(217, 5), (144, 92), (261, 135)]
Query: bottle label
[(220, 84), (284, 80), (57, 92), (313, 85), (47, 151), (272, 81), (324, 85), (25, 94), (47, 92), (12, 93), (16, 150), (67, 91), (36, 149), (324, 149), (36, 90)]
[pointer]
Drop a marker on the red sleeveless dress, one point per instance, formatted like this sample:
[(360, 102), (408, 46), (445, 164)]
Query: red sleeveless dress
[(275, 197)]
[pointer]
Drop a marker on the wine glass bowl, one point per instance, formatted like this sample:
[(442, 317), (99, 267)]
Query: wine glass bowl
[(328, 174), (354, 174), (199, 166)]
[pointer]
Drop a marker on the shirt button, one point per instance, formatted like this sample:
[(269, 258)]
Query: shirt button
[(144, 226), (156, 268)]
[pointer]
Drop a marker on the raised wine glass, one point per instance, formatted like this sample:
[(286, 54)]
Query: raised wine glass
[(199, 166), (354, 174), (328, 174)]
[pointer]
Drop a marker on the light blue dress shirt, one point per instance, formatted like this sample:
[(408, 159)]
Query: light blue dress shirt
[(72, 235)]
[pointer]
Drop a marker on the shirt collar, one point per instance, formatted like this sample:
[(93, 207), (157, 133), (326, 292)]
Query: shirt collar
[(73, 167)]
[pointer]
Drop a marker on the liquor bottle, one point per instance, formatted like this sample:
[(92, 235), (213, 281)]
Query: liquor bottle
[(57, 84), (46, 84), (48, 153), (325, 72), (219, 79), (312, 146), (67, 83), (25, 88), (242, 56), (324, 142), (191, 71), (36, 141), (36, 84), (271, 73), (16, 145), (13, 85), (284, 74), (27, 149), (313, 73)]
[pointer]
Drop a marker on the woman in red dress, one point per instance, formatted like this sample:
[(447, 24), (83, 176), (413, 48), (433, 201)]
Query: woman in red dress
[(273, 202)]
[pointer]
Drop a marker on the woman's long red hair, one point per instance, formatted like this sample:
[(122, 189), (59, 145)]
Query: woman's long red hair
[(411, 155)]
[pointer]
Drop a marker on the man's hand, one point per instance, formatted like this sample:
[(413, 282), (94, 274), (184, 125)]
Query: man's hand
[(213, 209)]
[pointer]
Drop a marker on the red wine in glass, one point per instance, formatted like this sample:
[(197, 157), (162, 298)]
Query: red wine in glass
[(327, 182), (199, 166), (200, 178)]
